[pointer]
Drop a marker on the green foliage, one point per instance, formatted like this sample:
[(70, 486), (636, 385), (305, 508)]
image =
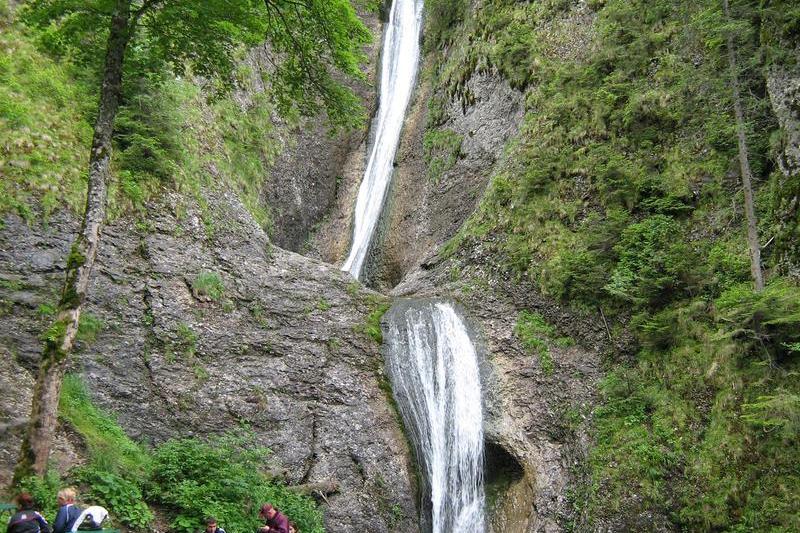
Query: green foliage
[(88, 328), (188, 478), (206, 38), (186, 342), (43, 490), (769, 319), (441, 18), (441, 148), (109, 447), (117, 493), (46, 107), (43, 133), (372, 325), (196, 479), (208, 285), (534, 332), (619, 185), (654, 261)]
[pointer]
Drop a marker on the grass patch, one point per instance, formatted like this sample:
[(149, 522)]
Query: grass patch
[(535, 333), (208, 285), (109, 447), (372, 325), (441, 149)]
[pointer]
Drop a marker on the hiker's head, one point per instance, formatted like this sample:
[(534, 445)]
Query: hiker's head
[(66, 496), (211, 524), (24, 501), (267, 511)]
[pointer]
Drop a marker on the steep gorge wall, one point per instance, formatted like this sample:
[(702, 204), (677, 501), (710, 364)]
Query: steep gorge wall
[(316, 167), (282, 350)]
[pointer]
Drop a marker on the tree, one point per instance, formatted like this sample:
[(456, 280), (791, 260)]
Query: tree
[(310, 38), (744, 161)]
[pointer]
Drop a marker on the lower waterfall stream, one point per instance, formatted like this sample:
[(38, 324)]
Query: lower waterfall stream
[(433, 367)]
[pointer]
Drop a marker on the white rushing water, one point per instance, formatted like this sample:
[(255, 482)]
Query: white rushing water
[(433, 367), (398, 73)]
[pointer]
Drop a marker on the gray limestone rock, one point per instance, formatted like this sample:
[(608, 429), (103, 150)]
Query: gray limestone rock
[(280, 350)]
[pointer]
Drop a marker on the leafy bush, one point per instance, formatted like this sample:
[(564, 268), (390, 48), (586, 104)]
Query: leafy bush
[(121, 496), (196, 479), (43, 489), (770, 318), (654, 262)]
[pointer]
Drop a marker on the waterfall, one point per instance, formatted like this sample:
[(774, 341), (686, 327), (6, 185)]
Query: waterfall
[(433, 368), (398, 73)]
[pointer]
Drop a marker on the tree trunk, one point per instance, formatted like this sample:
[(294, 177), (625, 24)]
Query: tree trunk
[(59, 339), (744, 163)]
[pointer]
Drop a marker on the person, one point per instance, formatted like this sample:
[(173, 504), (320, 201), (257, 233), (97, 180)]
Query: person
[(212, 527), (274, 520), (68, 512), (26, 519), (91, 518)]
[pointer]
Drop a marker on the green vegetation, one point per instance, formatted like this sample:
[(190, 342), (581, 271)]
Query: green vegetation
[(534, 332), (187, 340), (441, 149), (108, 446), (620, 184), (169, 133), (186, 478), (208, 285), (88, 327), (372, 326), (43, 131)]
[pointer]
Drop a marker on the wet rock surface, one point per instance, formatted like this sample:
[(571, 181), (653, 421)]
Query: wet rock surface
[(422, 213), (280, 349), (542, 419), (314, 168)]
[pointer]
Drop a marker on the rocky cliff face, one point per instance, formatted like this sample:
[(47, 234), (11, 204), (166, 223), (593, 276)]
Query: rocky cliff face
[(425, 210), (316, 167), (280, 349), (537, 420)]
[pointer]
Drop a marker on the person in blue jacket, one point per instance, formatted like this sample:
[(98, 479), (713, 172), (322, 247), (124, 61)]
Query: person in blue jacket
[(68, 512), (26, 519)]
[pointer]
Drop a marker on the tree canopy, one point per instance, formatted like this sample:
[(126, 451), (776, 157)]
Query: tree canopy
[(309, 40)]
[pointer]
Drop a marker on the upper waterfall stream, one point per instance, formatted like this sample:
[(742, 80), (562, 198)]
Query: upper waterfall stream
[(400, 59), (433, 367)]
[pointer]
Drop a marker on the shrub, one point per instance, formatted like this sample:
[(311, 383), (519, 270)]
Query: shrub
[(770, 318), (119, 495), (208, 285), (654, 262), (43, 489), (196, 479)]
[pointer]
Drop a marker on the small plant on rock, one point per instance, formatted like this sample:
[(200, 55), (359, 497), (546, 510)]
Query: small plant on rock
[(208, 286)]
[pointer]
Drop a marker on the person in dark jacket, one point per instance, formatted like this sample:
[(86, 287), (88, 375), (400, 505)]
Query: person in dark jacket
[(68, 512), (212, 527), (27, 520), (275, 521)]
